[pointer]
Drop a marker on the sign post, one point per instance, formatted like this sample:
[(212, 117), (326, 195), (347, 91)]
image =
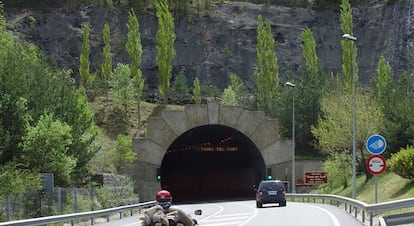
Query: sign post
[(376, 164)]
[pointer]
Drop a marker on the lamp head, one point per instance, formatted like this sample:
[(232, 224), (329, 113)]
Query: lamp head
[(290, 84), (349, 37)]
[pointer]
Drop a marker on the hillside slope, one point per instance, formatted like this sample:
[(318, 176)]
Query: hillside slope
[(211, 46)]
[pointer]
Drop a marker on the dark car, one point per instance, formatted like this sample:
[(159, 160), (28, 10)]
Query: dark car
[(270, 191)]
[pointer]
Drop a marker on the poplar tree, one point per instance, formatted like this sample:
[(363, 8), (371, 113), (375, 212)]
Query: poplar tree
[(84, 63), (383, 80), (309, 53), (267, 75), (2, 18), (106, 67), (196, 91), (134, 49), (309, 91), (349, 50), (165, 47)]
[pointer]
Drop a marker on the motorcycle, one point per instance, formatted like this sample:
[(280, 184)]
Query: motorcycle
[(172, 218)]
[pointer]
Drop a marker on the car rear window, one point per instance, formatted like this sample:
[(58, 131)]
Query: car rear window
[(271, 186)]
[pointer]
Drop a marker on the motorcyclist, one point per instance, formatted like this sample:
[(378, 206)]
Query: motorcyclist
[(158, 214)]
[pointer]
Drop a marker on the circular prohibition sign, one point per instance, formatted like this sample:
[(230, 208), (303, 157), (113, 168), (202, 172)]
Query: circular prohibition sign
[(376, 164)]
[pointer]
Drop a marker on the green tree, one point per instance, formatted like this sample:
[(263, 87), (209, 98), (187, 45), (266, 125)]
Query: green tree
[(339, 170), (26, 76), (308, 92), (401, 163), (106, 67), (235, 83), (229, 97), (399, 117), (165, 47), (49, 139), (121, 86), (333, 129), (349, 50), (14, 180), (122, 152), (134, 49), (179, 89), (84, 63), (196, 91), (383, 81), (2, 18), (12, 126), (267, 75), (309, 53)]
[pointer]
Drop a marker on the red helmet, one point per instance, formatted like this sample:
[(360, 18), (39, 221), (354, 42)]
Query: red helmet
[(163, 196)]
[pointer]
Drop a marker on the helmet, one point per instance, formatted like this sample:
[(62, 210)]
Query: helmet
[(163, 196)]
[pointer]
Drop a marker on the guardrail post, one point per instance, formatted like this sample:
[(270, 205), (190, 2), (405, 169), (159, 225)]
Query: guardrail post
[(356, 212), (371, 219), (363, 216)]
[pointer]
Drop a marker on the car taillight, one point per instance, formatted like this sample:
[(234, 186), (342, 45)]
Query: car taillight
[(283, 193), (260, 194)]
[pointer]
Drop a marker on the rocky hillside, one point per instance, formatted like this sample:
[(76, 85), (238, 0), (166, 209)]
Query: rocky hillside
[(210, 46)]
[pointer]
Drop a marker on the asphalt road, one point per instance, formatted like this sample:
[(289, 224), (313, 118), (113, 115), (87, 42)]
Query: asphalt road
[(245, 213)]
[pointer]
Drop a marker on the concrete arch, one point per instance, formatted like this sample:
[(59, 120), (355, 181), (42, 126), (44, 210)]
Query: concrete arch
[(163, 131)]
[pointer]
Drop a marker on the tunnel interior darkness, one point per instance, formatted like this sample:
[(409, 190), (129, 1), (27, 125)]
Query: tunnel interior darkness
[(211, 162)]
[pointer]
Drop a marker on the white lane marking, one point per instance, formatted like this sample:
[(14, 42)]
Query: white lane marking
[(333, 218), (255, 211), (232, 215), (238, 219), (213, 215)]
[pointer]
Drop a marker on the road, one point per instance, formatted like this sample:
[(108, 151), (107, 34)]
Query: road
[(245, 213)]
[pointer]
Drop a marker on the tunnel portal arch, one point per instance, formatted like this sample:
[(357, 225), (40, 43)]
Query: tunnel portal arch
[(212, 162), (254, 131)]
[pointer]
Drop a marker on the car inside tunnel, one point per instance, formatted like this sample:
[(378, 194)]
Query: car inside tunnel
[(212, 162)]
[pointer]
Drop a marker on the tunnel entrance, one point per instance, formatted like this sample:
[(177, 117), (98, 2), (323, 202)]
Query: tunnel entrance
[(211, 162)]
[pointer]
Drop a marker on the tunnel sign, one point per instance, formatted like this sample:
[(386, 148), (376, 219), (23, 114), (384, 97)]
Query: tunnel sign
[(316, 178), (376, 144), (376, 164)]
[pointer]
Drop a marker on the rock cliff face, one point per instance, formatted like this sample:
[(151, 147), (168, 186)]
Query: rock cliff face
[(210, 47)]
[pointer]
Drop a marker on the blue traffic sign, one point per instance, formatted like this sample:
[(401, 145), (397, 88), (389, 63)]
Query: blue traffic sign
[(376, 144)]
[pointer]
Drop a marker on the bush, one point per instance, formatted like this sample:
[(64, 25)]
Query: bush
[(402, 163)]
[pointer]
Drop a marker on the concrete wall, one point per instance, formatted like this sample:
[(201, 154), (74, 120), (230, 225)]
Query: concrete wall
[(162, 132)]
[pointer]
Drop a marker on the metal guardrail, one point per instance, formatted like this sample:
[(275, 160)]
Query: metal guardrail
[(80, 216), (352, 205), (397, 219)]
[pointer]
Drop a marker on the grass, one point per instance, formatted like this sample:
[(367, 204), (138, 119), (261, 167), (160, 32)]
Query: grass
[(390, 187)]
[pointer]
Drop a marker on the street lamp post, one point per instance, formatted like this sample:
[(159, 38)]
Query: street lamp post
[(293, 137), (353, 39)]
